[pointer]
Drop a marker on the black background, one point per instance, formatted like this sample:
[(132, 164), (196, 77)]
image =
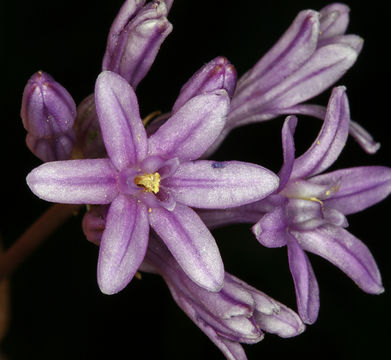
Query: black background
[(57, 310)]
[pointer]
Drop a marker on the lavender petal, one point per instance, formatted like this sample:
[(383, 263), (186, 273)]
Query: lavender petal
[(330, 141), (323, 69), (122, 129), (358, 188), (192, 129), (191, 244), (294, 48), (123, 245), (346, 252), (216, 185), (232, 350), (306, 285), (75, 181), (334, 20), (285, 322), (271, 229), (288, 147)]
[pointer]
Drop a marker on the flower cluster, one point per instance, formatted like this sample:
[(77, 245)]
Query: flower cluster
[(153, 194)]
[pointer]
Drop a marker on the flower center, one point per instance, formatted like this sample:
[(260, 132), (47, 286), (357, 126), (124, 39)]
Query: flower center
[(150, 182)]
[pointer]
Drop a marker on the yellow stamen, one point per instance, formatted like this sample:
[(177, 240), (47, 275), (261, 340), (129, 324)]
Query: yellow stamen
[(315, 199), (150, 182), (149, 117)]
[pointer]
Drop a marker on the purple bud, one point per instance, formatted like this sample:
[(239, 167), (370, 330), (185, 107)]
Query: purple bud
[(135, 38), (89, 141), (215, 75), (48, 113), (94, 223), (46, 149)]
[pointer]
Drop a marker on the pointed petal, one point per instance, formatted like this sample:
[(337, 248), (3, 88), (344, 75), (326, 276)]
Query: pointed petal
[(192, 129), (75, 181), (306, 286), (346, 252), (288, 147), (210, 184), (330, 141), (122, 129), (191, 243), (123, 244), (358, 188), (362, 136)]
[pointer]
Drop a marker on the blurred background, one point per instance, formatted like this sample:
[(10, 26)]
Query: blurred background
[(56, 309)]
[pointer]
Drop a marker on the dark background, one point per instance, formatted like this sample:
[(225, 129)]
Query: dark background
[(57, 310)]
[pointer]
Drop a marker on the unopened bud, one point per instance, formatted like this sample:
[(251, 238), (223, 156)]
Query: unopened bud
[(48, 113), (135, 38), (215, 75), (89, 141)]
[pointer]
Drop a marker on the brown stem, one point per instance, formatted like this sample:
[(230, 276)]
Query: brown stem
[(34, 236)]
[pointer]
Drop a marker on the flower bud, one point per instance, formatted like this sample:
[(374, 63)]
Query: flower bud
[(94, 222), (89, 141), (215, 75), (238, 313), (135, 38), (48, 113)]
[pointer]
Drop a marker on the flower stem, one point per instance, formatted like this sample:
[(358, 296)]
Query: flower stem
[(34, 236)]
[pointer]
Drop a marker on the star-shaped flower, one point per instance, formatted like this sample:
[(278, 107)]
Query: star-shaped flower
[(154, 182), (307, 212)]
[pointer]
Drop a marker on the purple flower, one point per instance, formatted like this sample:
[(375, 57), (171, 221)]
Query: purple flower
[(48, 113), (154, 182), (312, 55), (307, 212), (238, 313)]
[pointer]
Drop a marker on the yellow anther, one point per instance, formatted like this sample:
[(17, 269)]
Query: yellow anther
[(150, 182)]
